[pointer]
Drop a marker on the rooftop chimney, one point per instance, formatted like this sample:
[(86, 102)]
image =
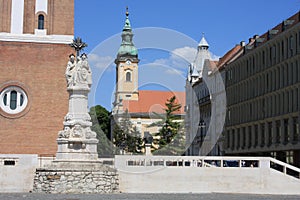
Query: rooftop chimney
[(243, 43)]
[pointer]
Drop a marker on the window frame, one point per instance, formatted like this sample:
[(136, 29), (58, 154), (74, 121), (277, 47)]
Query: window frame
[(41, 22), (23, 99)]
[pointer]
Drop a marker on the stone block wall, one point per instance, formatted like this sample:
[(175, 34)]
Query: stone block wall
[(75, 181)]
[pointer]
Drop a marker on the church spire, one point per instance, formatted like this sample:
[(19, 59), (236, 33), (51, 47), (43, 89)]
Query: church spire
[(203, 43), (127, 48), (127, 25)]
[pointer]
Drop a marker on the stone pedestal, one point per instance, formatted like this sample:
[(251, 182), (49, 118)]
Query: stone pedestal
[(77, 141), (76, 168), (148, 149)]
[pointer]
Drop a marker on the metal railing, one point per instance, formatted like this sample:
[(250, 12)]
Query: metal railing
[(189, 161), (284, 168)]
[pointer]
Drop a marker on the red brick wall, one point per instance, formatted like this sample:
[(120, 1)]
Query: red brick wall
[(40, 68), (5, 15), (29, 17), (60, 17)]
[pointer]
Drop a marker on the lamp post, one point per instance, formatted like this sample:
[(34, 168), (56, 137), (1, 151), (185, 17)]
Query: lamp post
[(201, 126), (148, 138), (122, 146)]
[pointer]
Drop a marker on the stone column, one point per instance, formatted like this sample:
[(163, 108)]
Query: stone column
[(77, 141), (274, 132), (259, 135), (282, 135), (230, 139), (236, 142), (299, 126), (267, 134), (291, 130), (247, 137), (241, 138), (253, 135)]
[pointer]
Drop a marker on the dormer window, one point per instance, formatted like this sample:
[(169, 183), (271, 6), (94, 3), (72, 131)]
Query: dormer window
[(41, 22)]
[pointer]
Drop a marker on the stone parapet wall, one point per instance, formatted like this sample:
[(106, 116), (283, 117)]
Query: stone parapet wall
[(76, 181)]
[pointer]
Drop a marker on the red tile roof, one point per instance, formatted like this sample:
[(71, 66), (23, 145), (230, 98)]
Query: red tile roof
[(153, 101), (228, 56)]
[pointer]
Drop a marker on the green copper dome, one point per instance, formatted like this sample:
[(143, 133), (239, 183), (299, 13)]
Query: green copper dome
[(127, 47)]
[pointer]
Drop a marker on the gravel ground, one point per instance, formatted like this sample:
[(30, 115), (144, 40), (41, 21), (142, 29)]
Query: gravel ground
[(144, 197)]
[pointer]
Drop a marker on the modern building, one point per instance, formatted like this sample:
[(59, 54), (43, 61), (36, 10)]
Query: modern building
[(263, 95), (140, 104), (34, 53)]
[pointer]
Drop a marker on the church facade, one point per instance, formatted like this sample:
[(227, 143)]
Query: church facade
[(34, 51), (140, 104)]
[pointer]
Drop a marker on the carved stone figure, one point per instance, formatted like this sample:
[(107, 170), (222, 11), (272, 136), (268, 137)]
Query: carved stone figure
[(78, 72), (77, 131), (70, 69), (77, 141), (83, 71), (65, 133)]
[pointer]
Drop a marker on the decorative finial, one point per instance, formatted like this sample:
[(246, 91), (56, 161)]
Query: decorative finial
[(78, 45), (127, 13), (202, 34)]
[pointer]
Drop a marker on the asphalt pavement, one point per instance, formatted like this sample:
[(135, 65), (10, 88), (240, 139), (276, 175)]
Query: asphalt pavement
[(213, 196)]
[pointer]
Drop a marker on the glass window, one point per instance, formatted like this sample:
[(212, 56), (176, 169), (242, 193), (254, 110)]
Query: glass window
[(263, 136), (128, 76), (270, 132), (291, 45), (250, 136), (5, 99), (296, 128), (278, 131), (13, 100), (286, 131), (41, 22)]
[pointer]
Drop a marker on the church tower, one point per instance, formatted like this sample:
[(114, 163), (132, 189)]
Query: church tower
[(34, 50), (126, 66)]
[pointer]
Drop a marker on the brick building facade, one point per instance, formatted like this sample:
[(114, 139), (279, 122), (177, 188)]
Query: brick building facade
[(34, 52)]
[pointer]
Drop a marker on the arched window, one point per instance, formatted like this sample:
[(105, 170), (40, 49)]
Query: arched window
[(128, 76), (41, 22)]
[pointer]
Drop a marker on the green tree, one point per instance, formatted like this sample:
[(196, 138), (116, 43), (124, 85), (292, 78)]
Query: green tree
[(100, 118), (126, 137), (170, 138)]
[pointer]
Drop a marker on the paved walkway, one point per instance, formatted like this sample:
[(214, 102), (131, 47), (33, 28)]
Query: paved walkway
[(145, 197)]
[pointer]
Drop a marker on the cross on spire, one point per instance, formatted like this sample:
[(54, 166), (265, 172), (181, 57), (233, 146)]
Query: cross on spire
[(127, 13), (78, 45)]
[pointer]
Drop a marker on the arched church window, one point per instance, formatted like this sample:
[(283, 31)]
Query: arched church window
[(128, 76), (13, 100), (41, 22)]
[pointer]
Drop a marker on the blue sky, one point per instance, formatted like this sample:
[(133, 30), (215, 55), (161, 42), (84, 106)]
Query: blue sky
[(176, 27)]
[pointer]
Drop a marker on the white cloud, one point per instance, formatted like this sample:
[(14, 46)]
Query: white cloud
[(100, 62), (186, 53), (179, 58), (215, 57), (174, 71)]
